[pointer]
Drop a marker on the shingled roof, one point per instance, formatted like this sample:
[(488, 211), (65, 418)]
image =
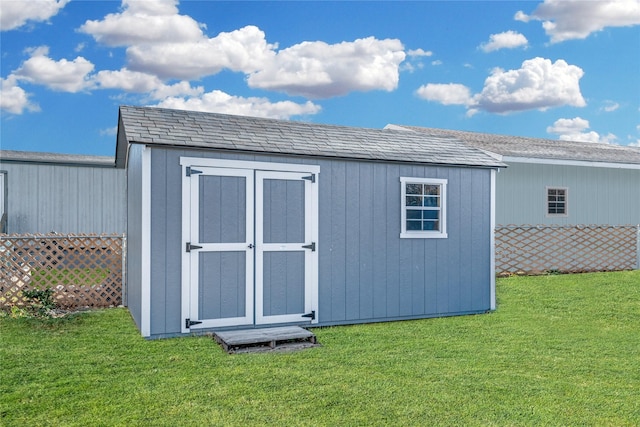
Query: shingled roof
[(178, 128), (55, 158), (536, 148)]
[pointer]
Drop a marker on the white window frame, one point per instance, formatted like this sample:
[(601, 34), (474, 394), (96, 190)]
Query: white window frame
[(566, 202), (423, 234)]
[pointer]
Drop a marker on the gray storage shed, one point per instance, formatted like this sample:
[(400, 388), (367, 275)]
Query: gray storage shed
[(597, 184), (62, 193), (240, 222)]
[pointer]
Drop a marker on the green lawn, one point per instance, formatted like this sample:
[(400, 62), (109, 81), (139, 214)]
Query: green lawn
[(560, 350)]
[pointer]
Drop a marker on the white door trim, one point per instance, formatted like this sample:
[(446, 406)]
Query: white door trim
[(310, 257), (243, 164), (190, 288), (311, 267)]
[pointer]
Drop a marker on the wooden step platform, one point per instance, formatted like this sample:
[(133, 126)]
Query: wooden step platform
[(266, 339)]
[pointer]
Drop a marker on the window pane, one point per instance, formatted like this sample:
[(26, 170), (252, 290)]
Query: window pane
[(430, 214), (431, 225), (413, 225), (432, 190), (414, 189), (414, 201), (432, 201), (414, 214)]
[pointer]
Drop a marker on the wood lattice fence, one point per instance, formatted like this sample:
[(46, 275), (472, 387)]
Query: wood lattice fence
[(528, 249), (83, 270)]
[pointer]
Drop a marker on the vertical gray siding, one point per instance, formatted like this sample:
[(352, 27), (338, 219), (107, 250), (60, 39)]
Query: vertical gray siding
[(166, 238), (603, 196), (134, 233), (64, 198), (366, 272)]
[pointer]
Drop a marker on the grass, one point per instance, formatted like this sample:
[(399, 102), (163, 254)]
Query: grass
[(560, 350)]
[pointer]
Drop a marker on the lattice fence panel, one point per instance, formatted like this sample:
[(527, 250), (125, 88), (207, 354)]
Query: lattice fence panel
[(83, 270), (568, 249)]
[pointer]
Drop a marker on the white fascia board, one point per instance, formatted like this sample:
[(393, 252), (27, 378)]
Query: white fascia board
[(534, 160)]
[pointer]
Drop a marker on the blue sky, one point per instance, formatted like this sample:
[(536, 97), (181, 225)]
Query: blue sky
[(558, 69)]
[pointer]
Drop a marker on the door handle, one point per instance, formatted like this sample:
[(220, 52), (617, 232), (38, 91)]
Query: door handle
[(250, 246)]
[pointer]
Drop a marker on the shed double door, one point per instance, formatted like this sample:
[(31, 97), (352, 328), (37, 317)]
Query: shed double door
[(251, 255)]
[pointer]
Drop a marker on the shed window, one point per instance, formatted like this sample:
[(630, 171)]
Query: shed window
[(423, 208), (557, 201)]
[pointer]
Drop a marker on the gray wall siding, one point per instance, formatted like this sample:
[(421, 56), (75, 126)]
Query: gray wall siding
[(603, 196), (166, 238), (134, 233), (66, 199), (366, 272)]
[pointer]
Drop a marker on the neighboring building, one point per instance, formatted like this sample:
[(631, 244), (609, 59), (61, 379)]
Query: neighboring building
[(553, 182), (62, 193), (239, 222)]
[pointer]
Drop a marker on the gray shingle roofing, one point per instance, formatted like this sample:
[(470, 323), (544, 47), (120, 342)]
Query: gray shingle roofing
[(516, 146), (55, 158), (157, 126)]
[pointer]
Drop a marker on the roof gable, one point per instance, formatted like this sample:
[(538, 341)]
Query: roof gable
[(178, 128)]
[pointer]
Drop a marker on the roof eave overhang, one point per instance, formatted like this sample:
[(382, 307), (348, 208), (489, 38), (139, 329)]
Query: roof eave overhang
[(497, 165), (566, 162)]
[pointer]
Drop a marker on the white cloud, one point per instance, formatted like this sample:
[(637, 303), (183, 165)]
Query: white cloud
[(14, 99), (244, 50), (319, 70), (506, 40), (161, 42), (436, 62), (446, 94), (144, 22), (419, 52), (564, 126), (522, 17), (575, 130), (14, 14), (62, 75), (112, 131), (136, 82), (219, 102), (610, 106), (538, 84), (576, 19)]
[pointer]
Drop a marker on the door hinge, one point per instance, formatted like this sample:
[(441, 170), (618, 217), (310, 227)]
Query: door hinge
[(311, 315), (188, 323), (189, 247), (312, 246), (192, 171), (311, 178)]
